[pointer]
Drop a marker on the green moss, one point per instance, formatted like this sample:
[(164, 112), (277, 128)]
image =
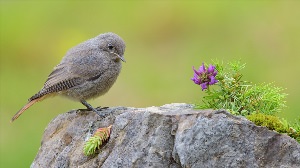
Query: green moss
[(269, 121), (294, 130), (294, 134), (276, 124)]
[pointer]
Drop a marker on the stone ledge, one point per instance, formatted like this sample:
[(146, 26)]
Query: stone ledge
[(173, 135)]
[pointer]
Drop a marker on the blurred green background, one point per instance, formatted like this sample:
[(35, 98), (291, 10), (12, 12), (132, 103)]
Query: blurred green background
[(164, 40)]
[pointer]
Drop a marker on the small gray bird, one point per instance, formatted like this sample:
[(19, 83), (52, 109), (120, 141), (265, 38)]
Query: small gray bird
[(88, 70)]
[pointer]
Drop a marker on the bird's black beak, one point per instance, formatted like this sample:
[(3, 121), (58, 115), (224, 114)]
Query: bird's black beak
[(122, 58)]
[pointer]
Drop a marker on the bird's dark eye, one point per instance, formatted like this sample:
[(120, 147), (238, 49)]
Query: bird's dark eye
[(110, 46)]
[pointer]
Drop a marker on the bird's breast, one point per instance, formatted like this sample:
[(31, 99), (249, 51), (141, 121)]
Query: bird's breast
[(97, 85)]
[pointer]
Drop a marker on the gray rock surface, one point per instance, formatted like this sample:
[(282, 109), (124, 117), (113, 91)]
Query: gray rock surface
[(173, 135)]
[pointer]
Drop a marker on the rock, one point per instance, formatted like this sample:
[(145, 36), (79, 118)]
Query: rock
[(173, 135)]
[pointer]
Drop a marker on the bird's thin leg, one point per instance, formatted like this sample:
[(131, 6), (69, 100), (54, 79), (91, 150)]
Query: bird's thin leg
[(89, 107)]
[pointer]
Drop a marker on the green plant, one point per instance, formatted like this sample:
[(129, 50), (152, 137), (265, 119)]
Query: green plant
[(259, 103), (241, 97), (101, 135)]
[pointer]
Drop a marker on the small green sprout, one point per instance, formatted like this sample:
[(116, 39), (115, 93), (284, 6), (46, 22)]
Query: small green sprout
[(101, 135)]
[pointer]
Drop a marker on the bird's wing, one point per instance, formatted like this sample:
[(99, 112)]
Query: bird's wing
[(69, 74)]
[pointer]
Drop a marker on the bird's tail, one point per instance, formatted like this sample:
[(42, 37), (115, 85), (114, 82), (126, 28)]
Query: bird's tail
[(30, 103)]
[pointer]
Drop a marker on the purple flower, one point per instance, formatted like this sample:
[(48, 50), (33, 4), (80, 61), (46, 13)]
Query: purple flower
[(205, 76)]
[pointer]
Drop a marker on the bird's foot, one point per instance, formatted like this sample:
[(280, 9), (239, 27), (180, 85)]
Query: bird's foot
[(101, 108), (91, 108), (101, 114), (98, 112)]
